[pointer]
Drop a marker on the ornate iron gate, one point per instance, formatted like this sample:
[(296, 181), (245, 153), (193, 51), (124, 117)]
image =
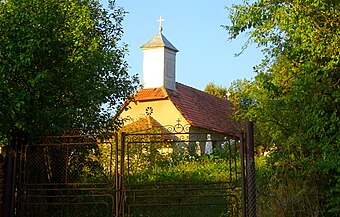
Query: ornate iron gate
[(145, 160)]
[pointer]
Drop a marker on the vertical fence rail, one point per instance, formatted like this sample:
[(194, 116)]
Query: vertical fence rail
[(117, 177), (2, 183), (122, 174), (251, 184), (243, 177)]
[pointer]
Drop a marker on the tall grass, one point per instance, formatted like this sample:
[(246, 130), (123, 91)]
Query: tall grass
[(285, 194), (189, 169)]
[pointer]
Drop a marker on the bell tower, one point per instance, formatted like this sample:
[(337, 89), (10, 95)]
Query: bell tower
[(159, 62)]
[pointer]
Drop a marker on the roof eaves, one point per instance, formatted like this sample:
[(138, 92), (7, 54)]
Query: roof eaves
[(152, 99)]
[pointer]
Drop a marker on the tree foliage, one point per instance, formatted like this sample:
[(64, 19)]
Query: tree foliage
[(60, 62), (216, 90), (295, 95)]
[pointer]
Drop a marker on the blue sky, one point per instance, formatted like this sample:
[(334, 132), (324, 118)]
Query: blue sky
[(194, 28)]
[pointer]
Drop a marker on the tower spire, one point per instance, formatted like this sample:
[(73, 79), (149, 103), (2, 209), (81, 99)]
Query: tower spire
[(160, 24)]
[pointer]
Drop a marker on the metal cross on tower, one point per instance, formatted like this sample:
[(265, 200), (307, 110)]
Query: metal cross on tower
[(160, 24)]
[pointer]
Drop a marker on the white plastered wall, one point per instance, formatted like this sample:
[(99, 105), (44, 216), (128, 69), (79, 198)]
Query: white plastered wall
[(159, 68)]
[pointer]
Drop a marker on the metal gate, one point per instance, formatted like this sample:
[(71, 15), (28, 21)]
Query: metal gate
[(70, 175), (152, 179), (132, 174)]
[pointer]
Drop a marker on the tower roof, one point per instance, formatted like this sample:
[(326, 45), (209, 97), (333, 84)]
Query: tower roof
[(159, 41)]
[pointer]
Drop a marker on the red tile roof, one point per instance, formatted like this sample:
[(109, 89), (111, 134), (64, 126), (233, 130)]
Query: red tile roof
[(151, 94), (199, 108)]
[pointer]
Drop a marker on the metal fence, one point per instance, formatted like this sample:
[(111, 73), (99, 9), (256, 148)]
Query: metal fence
[(68, 175), (149, 186), (130, 174)]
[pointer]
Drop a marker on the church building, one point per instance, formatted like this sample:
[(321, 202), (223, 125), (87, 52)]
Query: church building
[(163, 102)]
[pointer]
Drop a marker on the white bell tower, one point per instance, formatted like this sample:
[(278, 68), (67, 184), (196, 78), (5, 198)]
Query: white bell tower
[(159, 62)]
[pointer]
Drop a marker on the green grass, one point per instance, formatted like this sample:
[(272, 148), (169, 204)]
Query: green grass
[(191, 169)]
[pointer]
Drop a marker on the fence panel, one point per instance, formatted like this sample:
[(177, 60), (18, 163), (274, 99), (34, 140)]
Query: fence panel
[(162, 173), (180, 174), (65, 176)]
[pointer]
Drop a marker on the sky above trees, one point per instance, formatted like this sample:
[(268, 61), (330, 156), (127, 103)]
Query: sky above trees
[(194, 27)]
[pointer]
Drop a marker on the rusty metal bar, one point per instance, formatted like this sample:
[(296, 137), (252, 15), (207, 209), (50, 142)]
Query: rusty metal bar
[(127, 159), (117, 177), (69, 196), (66, 163), (66, 143), (111, 152), (69, 184), (243, 178), (121, 189), (176, 204), (235, 158), (67, 189), (251, 184), (181, 196), (71, 136), (175, 189), (230, 160), (182, 183), (179, 204)]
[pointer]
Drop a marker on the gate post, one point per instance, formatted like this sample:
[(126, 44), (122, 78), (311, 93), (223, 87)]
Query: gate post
[(251, 169), (243, 176), (122, 161), (2, 183), (117, 176), (17, 139), (119, 168)]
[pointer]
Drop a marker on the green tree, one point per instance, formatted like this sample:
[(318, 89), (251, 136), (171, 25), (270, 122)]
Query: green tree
[(216, 90), (296, 90), (60, 62)]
